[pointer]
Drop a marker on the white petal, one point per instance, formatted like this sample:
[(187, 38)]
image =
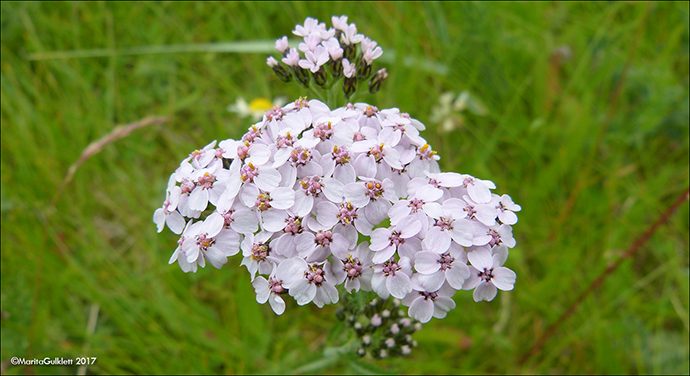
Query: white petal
[(480, 259), (303, 203), (258, 154), (428, 193), (399, 285), (365, 166), (432, 282), (330, 291), (508, 217), (457, 275), (410, 248), (462, 232), (249, 194), (228, 242), (426, 262), (333, 189), (278, 304), (392, 158), (339, 245), (268, 179), (421, 309), (384, 254), (345, 174), (198, 199), (485, 291), (399, 211), (273, 220), (261, 289), (500, 254), (409, 227), (389, 136), (436, 240), (290, 271), (433, 209), (449, 179), (304, 243), (363, 226), (356, 193), (173, 258), (175, 222), (380, 239), (244, 221), (378, 284), (479, 193), (504, 278), (304, 292), (442, 305), (288, 175), (159, 219), (216, 257), (282, 198), (213, 224), (377, 211), (327, 214)]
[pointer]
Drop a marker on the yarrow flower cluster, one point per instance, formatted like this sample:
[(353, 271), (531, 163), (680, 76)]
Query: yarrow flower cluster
[(316, 198), (333, 51)]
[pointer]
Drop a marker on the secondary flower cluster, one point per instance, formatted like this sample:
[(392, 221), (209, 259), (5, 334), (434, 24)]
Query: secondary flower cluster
[(314, 198), (335, 48), (382, 328)]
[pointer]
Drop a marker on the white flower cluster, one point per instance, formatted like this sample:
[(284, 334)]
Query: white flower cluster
[(315, 198), (335, 47)]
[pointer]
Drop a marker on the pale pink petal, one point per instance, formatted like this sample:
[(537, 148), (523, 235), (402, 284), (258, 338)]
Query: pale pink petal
[(485, 291), (273, 220), (399, 285), (378, 284), (432, 282), (198, 199), (426, 262), (436, 240), (159, 219), (481, 259), (457, 275), (421, 309), (504, 278), (278, 304), (268, 179)]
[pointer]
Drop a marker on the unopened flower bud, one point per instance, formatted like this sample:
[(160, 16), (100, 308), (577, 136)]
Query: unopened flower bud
[(349, 86), (363, 69), (336, 68), (390, 342), (302, 75), (376, 320), (320, 77), (377, 80), (279, 70)]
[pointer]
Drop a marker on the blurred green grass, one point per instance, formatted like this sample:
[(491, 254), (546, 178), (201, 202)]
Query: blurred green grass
[(592, 170)]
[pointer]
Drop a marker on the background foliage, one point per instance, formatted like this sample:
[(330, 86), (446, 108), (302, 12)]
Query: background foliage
[(587, 129)]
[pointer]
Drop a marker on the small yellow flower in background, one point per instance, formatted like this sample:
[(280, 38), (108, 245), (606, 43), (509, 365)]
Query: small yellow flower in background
[(449, 111), (256, 108)]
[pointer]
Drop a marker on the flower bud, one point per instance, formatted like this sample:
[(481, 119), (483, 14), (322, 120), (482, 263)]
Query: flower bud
[(377, 80), (349, 86), (279, 69)]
